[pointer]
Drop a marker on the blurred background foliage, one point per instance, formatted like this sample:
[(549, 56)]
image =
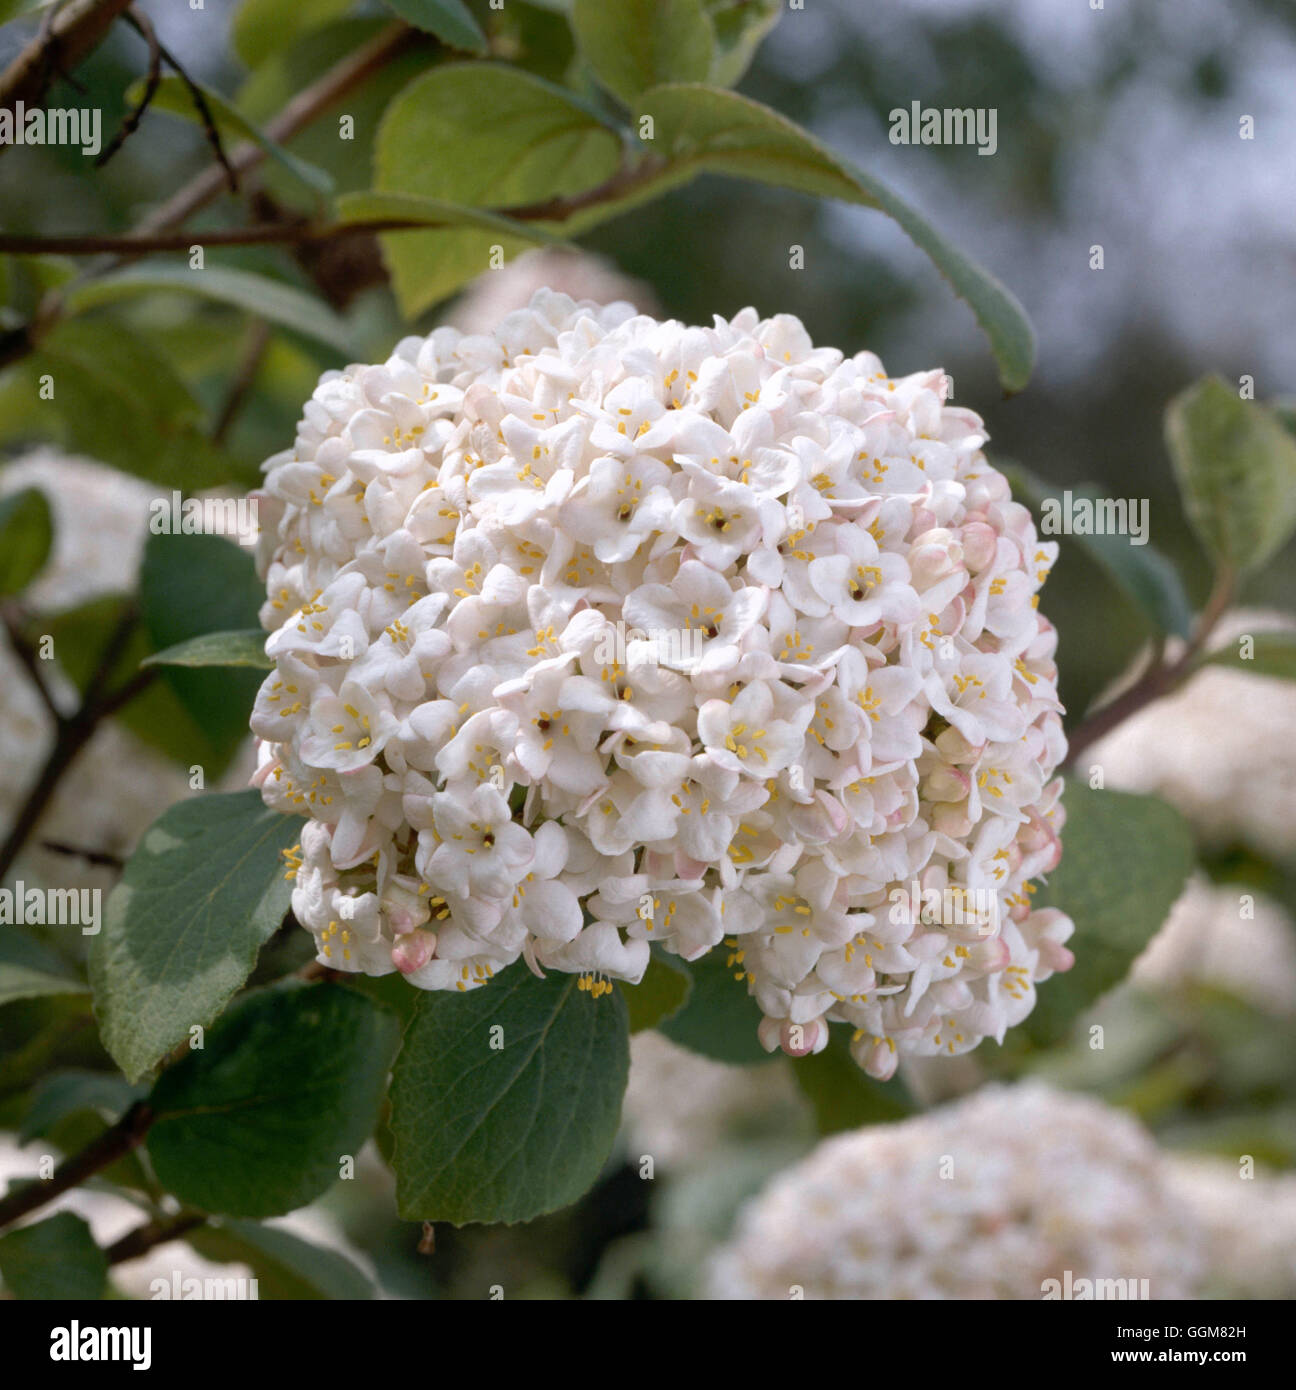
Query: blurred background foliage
[(1117, 128)]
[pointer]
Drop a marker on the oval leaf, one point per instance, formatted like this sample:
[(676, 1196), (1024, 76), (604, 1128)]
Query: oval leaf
[(254, 294), (1236, 467), (198, 899), (243, 648), (256, 1123), (285, 1265), (507, 1125), (54, 1258), (502, 138), (720, 1018), (26, 535), (705, 129), (660, 995), (636, 44), (448, 20), (1125, 859), (1266, 654), (29, 969)]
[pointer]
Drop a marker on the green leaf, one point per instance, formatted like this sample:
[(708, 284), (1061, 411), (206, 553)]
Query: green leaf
[(26, 536), (660, 995), (29, 969), (283, 75), (448, 20), (720, 1018), (257, 1122), (842, 1095), (1271, 654), (244, 648), (373, 207), (254, 294), (192, 586), (1142, 572), (117, 398), (503, 139), (504, 1126), (262, 28), (201, 895), (173, 97), (1125, 859), (285, 1265), (55, 1258), (1236, 467), (72, 1092), (636, 44), (708, 130), (739, 26)]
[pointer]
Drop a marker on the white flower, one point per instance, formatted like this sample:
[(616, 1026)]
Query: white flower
[(989, 1198), (593, 631)]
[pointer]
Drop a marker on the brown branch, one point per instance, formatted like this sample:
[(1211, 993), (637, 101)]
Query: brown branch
[(332, 87), (245, 374), (304, 108), (114, 1143), (73, 732), (151, 1234), (28, 658), (144, 27), (1160, 679), (62, 43), (100, 858)]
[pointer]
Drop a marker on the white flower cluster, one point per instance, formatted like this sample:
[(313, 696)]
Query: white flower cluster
[(1250, 1221), (598, 631), (988, 1198)]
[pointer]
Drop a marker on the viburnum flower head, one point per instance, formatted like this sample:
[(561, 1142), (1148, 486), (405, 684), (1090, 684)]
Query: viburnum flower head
[(599, 631), (1014, 1192)]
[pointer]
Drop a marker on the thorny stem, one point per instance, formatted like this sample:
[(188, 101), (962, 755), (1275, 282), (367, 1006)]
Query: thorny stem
[(114, 1143)]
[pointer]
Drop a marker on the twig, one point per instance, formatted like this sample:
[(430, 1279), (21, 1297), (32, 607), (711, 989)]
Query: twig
[(98, 857), (60, 44), (151, 1234), (141, 22), (73, 732), (332, 87), (254, 349), (263, 233), (304, 108), (27, 657), (145, 28), (1160, 678), (114, 1143)]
